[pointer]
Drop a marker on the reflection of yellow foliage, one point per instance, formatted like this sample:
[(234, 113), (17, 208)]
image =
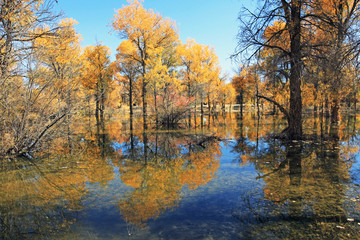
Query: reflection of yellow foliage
[(129, 176), (157, 184), (202, 167), (157, 192), (313, 185), (56, 177), (278, 190)]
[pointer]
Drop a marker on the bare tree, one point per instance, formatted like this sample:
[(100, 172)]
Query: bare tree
[(251, 38)]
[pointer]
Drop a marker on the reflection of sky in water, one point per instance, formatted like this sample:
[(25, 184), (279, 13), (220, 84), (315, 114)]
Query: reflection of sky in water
[(204, 212)]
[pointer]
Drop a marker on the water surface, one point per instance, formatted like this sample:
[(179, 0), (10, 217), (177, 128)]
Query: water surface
[(189, 184)]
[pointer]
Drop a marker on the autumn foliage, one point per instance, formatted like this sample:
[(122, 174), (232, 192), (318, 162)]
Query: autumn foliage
[(49, 82)]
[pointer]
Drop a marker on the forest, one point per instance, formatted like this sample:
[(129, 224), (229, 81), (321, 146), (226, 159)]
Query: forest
[(50, 83), (297, 56)]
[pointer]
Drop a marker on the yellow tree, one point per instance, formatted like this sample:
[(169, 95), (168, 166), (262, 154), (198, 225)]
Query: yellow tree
[(243, 83), (59, 57), (128, 70), (147, 31), (18, 106), (162, 76), (337, 21), (97, 76), (18, 21), (200, 70), (226, 94)]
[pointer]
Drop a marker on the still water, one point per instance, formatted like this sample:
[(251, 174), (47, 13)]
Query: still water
[(226, 180)]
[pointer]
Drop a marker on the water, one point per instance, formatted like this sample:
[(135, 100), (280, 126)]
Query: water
[(189, 185)]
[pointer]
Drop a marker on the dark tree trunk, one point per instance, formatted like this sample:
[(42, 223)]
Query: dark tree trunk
[(97, 107), (145, 140), (68, 118), (144, 93), (89, 113), (189, 112), (102, 106), (335, 111), (355, 101), (241, 103), (336, 67), (131, 98), (156, 109), (315, 110), (202, 110), (209, 105), (295, 111), (195, 112)]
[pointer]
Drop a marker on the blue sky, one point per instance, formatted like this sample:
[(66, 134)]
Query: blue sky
[(210, 22)]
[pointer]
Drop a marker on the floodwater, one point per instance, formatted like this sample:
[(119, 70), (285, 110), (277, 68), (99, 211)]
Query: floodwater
[(189, 184)]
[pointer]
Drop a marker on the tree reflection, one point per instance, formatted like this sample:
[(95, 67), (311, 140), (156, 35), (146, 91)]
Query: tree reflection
[(171, 162), (305, 192), (40, 197)]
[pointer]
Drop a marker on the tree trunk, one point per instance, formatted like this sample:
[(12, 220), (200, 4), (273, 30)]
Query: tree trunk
[(189, 112), (295, 111), (202, 110), (355, 101), (209, 105), (102, 106), (144, 93), (156, 109), (97, 107), (335, 111), (68, 118), (195, 111), (241, 103), (336, 59), (315, 110), (326, 106), (89, 113), (131, 98)]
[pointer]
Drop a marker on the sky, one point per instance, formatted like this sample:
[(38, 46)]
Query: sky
[(210, 22)]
